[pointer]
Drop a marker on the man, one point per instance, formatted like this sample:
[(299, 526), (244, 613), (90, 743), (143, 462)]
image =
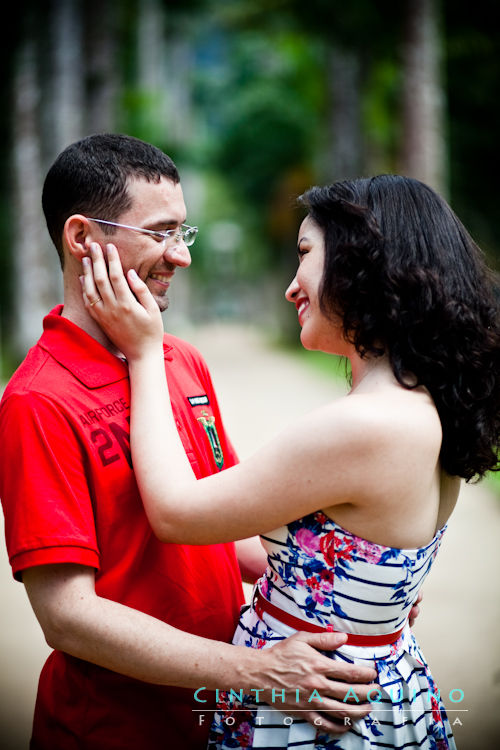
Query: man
[(136, 625)]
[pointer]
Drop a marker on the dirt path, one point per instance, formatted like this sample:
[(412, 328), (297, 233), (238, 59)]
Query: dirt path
[(262, 391)]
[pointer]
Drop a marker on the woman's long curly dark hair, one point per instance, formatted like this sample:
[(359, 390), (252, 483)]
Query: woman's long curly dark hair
[(406, 279)]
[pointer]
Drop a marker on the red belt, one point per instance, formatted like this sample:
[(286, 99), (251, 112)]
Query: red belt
[(262, 605)]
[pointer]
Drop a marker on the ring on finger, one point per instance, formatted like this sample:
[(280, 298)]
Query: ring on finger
[(99, 299)]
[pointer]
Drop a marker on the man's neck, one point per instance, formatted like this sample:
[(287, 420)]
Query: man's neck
[(75, 311)]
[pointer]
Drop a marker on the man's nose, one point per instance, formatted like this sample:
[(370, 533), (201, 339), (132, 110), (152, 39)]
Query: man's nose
[(292, 290), (177, 253)]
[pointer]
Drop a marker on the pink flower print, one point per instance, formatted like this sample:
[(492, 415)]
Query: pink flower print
[(245, 735), (315, 585), (318, 597), (326, 580), (369, 551), (312, 582), (307, 541), (264, 587)]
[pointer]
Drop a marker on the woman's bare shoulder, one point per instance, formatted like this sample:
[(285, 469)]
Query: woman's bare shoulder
[(388, 416)]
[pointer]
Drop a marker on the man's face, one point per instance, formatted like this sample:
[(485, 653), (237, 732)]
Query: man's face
[(156, 206)]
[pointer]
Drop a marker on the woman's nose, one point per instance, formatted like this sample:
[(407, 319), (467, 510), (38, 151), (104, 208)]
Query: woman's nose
[(292, 290)]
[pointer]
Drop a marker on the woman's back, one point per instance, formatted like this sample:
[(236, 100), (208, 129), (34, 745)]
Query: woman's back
[(402, 497)]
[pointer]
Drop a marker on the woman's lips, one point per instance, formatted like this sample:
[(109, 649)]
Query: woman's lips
[(302, 305)]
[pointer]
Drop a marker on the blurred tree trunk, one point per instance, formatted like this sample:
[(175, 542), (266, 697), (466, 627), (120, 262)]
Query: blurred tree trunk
[(32, 277), (65, 87), (344, 92), (102, 72), (423, 153), (48, 102), (164, 76), (164, 80), (64, 105), (82, 76), (156, 81)]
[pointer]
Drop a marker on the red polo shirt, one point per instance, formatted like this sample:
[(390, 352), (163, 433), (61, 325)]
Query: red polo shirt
[(69, 495)]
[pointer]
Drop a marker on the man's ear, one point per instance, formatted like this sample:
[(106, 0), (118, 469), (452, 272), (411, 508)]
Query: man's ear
[(77, 236)]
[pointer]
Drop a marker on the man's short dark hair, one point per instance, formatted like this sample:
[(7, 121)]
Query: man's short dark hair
[(90, 177)]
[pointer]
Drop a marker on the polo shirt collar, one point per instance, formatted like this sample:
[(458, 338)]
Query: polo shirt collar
[(90, 362)]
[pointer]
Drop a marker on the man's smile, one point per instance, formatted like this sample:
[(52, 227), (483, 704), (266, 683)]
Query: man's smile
[(162, 278)]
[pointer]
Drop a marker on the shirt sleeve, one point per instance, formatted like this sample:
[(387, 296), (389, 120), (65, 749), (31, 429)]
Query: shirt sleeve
[(45, 493)]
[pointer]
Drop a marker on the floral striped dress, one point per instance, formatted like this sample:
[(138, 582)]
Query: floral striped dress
[(323, 574)]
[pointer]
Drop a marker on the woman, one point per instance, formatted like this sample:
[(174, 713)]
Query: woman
[(389, 278)]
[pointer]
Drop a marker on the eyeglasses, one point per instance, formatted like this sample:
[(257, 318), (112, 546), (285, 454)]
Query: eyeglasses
[(185, 232)]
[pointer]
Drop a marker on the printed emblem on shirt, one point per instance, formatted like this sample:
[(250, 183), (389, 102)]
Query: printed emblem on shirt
[(198, 400), (208, 424), (109, 430)]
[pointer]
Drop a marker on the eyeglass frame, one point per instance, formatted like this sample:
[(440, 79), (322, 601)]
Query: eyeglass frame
[(177, 234)]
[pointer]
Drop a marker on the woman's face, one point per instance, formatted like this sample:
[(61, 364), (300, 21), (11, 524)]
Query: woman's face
[(318, 331)]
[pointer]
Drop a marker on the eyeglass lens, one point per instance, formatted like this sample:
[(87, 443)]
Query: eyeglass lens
[(188, 235)]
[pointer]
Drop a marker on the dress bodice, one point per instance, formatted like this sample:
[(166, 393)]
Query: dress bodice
[(320, 572), (323, 573)]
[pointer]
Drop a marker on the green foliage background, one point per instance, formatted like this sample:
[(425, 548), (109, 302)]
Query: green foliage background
[(257, 84)]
